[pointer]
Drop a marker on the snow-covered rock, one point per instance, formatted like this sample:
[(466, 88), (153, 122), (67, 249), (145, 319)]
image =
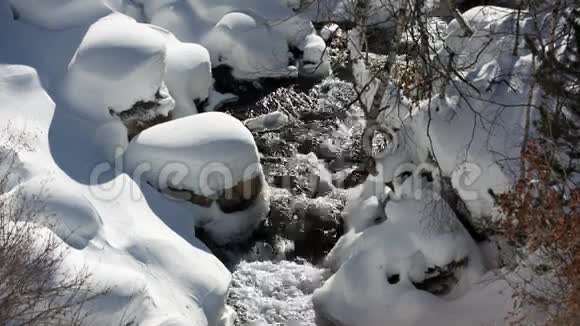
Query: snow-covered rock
[(417, 244), (314, 60), (188, 77), (247, 44), (252, 36), (115, 80), (268, 122), (119, 63), (212, 160), (328, 31)]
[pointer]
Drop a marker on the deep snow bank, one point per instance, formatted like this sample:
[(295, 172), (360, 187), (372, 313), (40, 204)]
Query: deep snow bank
[(156, 275), (395, 255)]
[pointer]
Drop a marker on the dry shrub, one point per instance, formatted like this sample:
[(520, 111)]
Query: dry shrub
[(33, 288), (543, 217)]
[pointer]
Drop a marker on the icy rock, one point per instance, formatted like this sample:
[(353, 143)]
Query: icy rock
[(268, 122), (188, 77), (302, 175), (211, 160), (328, 31), (248, 45), (312, 225), (118, 70), (274, 147)]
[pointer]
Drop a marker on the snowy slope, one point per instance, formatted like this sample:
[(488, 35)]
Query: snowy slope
[(155, 274), (131, 238)]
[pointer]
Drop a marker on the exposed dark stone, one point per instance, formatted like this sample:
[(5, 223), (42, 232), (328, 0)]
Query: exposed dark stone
[(353, 179), (237, 198), (15, 13), (393, 279), (249, 91), (140, 117), (201, 104), (450, 195), (441, 279)]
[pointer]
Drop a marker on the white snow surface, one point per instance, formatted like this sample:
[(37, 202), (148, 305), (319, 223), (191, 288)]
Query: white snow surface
[(417, 234), (216, 150), (130, 237), (204, 153), (252, 35), (118, 63), (157, 275), (188, 76), (60, 14), (250, 46)]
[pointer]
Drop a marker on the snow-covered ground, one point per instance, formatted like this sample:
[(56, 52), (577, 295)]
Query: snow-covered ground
[(111, 95)]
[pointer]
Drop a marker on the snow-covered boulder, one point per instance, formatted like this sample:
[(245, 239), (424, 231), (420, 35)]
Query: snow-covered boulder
[(268, 122), (314, 61), (188, 77), (117, 74), (247, 44), (211, 160), (418, 244), (251, 36)]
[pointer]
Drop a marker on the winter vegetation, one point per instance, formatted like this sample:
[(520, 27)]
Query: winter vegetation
[(296, 162)]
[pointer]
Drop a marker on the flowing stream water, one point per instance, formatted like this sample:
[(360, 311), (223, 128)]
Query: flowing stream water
[(308, 163)]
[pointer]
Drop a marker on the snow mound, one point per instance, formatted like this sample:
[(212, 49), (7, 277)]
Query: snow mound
[(197, 142), (188, 77), (252, 36), (210, 159), (69, 214), (315, 57), (118, 63), (247, 44), (394, 257)]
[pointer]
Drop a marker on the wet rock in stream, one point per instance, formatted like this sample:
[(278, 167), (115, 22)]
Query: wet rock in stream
[(306, 139)]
